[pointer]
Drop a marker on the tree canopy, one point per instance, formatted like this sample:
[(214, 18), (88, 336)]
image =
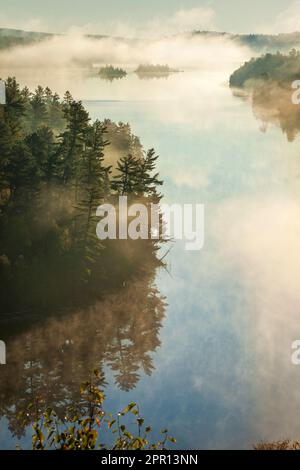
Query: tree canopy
[(55, 170)]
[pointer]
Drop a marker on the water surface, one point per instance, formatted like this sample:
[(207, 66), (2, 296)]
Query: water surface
[(210, 358)]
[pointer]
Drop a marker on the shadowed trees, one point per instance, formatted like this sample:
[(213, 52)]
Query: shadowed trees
[(56, 168), (277, 66), (68, 301)]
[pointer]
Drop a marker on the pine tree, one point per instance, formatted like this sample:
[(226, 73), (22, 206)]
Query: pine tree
[(73, 140), (39, 115), (147, 179), (22, 174), (126, 182), (43, 149), (68, 99), (14, 108), (55, 112), (6, 144), (93, 187)]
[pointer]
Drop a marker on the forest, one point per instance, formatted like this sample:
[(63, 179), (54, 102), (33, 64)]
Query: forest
[(10, 38), (56, 168), (280, 67)]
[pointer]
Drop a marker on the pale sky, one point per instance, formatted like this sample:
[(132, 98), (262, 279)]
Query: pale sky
[(131, 17)]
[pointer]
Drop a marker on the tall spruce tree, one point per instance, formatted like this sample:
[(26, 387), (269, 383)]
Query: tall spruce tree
[(73, 141), (14, 108), (147, 179), (39, 114), (126, 181), (43, 149), (93, 188)]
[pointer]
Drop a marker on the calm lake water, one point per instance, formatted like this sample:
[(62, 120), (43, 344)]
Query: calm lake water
[(214, 363)]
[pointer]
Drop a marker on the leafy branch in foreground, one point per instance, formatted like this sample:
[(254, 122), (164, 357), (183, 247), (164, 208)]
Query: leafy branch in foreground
[(86, 421)]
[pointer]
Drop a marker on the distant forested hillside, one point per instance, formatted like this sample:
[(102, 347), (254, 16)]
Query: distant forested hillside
[(257, 42), (268, 42), (15, 37), (277, 66)]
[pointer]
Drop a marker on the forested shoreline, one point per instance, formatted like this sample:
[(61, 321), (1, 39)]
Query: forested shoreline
[(280, 67), (56, 168), (268, 81)]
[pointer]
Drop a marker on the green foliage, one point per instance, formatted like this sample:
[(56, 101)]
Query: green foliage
[(136, 176), (12, 37), (148, 180), (270, 66), (82, 426), (55, 171), (126, 182)]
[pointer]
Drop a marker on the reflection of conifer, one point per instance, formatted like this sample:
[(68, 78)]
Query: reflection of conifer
[(124, 364), (127, 335)]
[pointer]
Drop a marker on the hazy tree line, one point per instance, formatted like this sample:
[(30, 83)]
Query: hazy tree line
[(279, 67), (110, 73), (53, 176)]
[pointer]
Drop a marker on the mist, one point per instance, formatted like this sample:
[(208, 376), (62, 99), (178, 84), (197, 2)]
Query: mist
[(262, 246), (75, 49)]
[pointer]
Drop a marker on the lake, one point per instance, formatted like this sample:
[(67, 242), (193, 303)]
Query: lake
[(210, 358)]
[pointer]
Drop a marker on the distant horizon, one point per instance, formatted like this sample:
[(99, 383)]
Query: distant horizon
[(203, 31)]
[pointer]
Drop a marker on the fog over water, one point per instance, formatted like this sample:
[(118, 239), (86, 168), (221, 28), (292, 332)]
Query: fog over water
[(221, 372)]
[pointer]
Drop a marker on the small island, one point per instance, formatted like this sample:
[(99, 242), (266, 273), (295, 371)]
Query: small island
[(145, 71), (111, 73)]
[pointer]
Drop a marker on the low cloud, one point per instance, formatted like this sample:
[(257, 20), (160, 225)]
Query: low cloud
[(262, 247), (199, 18), (287, 21), (186, 51)]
